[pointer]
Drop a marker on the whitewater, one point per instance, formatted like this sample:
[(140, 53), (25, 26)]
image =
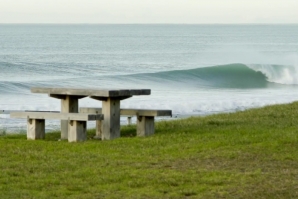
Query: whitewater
[(190, 69)]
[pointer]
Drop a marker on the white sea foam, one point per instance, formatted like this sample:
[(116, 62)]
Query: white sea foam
[(279, 67), (278, 74)]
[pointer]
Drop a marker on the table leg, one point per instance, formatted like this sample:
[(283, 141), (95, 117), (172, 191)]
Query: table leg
[(70, 104), (111, 123)]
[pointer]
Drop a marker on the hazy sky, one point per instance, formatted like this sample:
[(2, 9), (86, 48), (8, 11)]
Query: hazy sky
[(148, 11)]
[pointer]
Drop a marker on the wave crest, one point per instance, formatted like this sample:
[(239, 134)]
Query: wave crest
[(277, 73), (234, 76), (222, 76)]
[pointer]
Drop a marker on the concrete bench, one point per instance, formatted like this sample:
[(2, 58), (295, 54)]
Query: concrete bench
[(77, 123), (145, 118)]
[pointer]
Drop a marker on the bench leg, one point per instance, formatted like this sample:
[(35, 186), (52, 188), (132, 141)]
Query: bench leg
[(145, 126), (35, 129), (98, 130), (77, 131), (129, 120)]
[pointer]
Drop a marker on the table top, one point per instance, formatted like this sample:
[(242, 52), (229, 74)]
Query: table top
[(92, 92)]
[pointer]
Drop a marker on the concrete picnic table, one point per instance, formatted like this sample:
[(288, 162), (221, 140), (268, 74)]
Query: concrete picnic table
[(110, 105)]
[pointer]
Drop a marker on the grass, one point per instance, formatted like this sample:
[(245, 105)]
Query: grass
[(249, 154)]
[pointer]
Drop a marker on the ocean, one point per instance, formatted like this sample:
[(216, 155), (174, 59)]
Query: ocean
[(190, 69)]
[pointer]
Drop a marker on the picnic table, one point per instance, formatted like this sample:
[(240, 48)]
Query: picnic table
[(110, 105)]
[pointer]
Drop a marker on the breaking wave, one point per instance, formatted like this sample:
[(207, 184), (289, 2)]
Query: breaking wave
[(237, 76), (228, 76)]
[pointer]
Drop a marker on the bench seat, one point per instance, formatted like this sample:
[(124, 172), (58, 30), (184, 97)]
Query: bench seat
[(145, 118), (77, 123)]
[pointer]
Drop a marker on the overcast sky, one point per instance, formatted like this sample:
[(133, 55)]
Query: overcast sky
[(149, 11)]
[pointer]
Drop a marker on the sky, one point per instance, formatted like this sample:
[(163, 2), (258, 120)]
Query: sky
[(149, 11)]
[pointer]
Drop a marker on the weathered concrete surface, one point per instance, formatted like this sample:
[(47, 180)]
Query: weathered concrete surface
[(77, 131), (145, 126), (53, 115), (110, 126), (128, 120), (35, 129), (92, 92), (98, 132), (130, 112), (68, 105)]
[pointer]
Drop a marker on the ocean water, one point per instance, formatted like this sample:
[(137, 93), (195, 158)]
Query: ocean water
[(190, 69)]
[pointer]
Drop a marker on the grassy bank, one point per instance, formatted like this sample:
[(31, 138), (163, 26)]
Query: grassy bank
[(249, 154)]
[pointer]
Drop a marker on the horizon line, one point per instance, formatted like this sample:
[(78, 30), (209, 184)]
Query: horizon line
[(52, 23)]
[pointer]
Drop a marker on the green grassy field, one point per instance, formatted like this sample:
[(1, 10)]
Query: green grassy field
[(249, 154)]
